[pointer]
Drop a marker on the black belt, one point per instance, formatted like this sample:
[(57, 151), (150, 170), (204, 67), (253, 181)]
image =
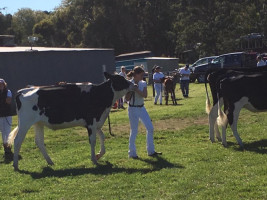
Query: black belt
[(138, 106)]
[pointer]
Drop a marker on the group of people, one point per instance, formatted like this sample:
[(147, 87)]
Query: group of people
[(136, 109), (136, 112), (184, 82)]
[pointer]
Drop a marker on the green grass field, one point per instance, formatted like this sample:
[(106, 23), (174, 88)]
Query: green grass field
[(191, 167)]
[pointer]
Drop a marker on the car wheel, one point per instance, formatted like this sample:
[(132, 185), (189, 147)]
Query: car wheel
[(201, 79)]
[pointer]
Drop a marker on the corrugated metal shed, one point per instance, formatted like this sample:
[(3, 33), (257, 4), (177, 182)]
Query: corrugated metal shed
[(45, 66)]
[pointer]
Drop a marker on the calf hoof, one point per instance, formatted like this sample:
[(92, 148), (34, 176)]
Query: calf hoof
[(94, 161), (219, 139), (98, 156), (16, 168), (50, 163), (212, 140), (242, 148), (224, 144)]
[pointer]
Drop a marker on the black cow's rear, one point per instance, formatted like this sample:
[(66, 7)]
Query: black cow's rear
[(248, 91)]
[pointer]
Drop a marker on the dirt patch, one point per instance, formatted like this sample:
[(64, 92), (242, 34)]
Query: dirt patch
[(166, 124), (160, 125)]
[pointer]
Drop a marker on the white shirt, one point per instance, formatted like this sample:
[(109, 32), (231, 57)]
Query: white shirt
[(261, 63), (157, 76), (185, 72), (122, 74), (136, 99)]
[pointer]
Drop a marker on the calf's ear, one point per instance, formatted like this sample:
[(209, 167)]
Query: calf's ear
[(107, 75)]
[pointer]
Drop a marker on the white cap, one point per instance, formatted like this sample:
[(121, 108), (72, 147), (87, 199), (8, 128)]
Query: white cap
[(2, 81)]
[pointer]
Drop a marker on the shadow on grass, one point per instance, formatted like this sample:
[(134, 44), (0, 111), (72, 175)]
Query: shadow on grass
[(157, 163), (257, 146)]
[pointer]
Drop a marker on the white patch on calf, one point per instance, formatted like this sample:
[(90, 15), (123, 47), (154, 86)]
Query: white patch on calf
[(85, 87)]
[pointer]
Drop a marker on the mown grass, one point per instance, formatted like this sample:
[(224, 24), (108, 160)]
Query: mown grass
[(191, 167)]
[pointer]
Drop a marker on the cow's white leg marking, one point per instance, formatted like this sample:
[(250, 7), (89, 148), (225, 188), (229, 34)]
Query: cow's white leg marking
[(217, 132), (212, 120), (213, 126), (22, 130), (92, 140), (236, 112), (39, 140), (102, 148)]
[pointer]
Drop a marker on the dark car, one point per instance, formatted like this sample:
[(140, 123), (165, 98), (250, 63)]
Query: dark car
[(231, 60), (201, 61)]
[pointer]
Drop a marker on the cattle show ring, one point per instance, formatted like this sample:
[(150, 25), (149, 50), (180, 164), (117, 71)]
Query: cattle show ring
[(70, 142)]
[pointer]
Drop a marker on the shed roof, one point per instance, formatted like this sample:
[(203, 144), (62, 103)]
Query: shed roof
[(23, 49)]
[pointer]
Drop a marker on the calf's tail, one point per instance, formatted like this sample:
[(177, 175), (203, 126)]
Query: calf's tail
[(12, 135), (208, 104)]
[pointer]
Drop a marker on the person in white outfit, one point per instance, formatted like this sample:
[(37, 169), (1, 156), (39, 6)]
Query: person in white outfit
[(157, 76), (185, 80), (5, 117), (260, 62), (137, 111)]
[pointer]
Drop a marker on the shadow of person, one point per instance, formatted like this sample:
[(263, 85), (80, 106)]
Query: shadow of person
[(159, 163)]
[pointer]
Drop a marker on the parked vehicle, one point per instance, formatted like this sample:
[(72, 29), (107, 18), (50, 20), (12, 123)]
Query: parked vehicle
[(201, 61), (231, 60)]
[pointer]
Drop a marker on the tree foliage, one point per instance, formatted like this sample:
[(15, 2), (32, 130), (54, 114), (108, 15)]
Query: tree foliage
[(166, 27)]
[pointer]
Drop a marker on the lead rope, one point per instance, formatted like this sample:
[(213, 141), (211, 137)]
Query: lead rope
[(109, 127)]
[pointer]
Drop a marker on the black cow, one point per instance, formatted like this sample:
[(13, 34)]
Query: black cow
[(66, 105), (213, 77), (248, 91)]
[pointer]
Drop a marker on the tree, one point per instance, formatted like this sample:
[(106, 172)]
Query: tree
[(23, 22)]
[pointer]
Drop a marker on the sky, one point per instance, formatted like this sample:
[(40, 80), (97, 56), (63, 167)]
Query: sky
[(12, 6)]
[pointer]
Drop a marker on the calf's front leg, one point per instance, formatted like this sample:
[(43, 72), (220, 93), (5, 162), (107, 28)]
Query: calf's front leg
[(92, 141), (102, 148)]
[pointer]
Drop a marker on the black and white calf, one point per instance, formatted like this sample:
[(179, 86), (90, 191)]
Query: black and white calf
[(66, 105), (213, 77), (248, 91)]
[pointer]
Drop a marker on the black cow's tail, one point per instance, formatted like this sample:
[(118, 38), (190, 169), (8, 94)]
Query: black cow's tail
[(208, 104)]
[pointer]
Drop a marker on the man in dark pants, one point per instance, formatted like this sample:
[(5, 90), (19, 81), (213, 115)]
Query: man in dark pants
[(184, 80)]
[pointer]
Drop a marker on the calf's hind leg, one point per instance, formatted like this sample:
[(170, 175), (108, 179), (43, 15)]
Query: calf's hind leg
[(102, 148), (39, 140), (22, 130)]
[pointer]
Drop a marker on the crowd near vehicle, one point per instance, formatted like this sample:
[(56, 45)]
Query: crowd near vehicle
[(230, 60)]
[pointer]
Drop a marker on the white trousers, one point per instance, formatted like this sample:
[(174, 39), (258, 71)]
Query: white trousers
[(5, 127), (136, 113), (158, 88)]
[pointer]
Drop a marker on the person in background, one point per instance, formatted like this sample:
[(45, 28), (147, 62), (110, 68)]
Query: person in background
[(137, 111), (260, 61), (184, 80), (123, 72), (157, 76), (5, 117), (121, 100)]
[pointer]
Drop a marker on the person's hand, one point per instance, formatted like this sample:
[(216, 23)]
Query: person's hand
[(135, 87)]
